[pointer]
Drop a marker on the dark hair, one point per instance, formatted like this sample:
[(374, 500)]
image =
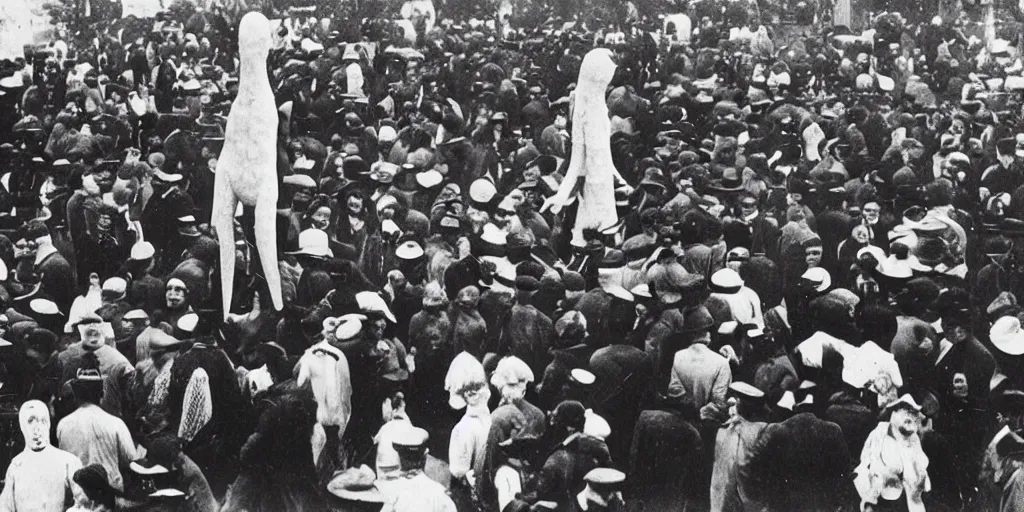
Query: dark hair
[(878, 323)]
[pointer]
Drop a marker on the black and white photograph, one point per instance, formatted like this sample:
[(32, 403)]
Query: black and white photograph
[(511, 255)]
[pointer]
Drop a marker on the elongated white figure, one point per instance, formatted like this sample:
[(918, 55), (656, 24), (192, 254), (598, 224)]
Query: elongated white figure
[(246, 170), (591, 158)]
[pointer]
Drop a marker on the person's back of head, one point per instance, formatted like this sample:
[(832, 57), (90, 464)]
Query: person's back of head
[(877, 323)]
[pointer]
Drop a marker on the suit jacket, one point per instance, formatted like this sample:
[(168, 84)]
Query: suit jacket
[(800, 464)]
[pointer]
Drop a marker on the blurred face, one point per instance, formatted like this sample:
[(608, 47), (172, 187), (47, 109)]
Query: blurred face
[(812, 255), (354, 204), (24, 249), (860, 234), (871, 211), (748, 205), (397, 282), (330, 325), (35, 426), (93, 337), (906, 422), (476, 395), (321, 218), (377, 327), (468, 298), (175, 296), (561, 121), (502, 216)]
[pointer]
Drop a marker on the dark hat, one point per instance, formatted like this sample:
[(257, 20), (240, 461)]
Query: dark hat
[(613, 258), (731, 181), (697, 319), (573, 281), (547, 164), (95, 483), (161, 455), (34, 229), (527, 283), (1006, 146)]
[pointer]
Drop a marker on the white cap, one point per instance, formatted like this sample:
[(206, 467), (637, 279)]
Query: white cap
[(409, 250), (728, 279), (493, 235), (349, 326), (115, 284), (389, 226), (188, 322), (372, 302), (820, 277), (142, 251), (429, 179), (482, 191)]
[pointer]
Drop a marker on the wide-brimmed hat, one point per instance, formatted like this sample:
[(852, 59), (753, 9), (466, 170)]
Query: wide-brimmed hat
[(1007, 336), (356, 484), (731, 181), (314, 242)]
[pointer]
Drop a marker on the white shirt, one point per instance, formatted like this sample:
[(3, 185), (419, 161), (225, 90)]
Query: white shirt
[(98, 437)]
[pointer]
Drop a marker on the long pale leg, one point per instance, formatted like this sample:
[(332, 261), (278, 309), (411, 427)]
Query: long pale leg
[(265, 229), (222, 219)]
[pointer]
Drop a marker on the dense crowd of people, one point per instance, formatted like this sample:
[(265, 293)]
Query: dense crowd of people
[(679, 263)]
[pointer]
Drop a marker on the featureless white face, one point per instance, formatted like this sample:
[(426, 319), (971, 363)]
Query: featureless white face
[(35, 425)]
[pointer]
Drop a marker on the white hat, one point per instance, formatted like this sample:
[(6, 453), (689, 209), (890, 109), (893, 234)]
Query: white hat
[(641, 290), (409, 250), (389, 226), (387, 134), (142, 251), (787, 401), (188, 322), (819, 276), (582, 376), (1007, 336), (482, 191), (905, 399), (429, 179), (44, 307), (493, 235), (349, 326), (115, 284), (726, 280), (371, 302), (13, 82), (314, 242)]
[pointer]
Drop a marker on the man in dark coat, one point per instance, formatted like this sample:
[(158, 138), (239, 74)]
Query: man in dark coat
[(57, 279), (800, 464), (577, 454), (609, 307), (624, 386)]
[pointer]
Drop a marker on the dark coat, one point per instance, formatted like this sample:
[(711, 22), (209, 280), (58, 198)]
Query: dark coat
[(57, 280), (561, 477), (609, 318), (802, 463)]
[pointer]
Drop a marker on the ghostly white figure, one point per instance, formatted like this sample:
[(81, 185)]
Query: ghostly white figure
[(326, 369), (247, 169), (39, 478), (591, 158)]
